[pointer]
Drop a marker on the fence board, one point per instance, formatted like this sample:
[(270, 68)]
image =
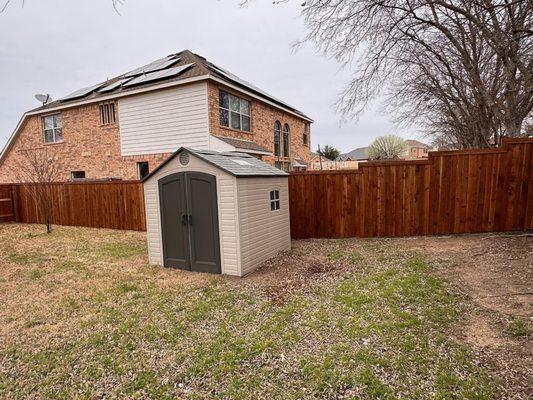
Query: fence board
[(464, 191), (6, 204)]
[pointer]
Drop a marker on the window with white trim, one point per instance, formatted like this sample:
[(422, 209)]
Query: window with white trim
[(234, 112), (277, 135), (52, 129), (107, 113), (305, 138), (77, 175), (286, 140), (274, 200)]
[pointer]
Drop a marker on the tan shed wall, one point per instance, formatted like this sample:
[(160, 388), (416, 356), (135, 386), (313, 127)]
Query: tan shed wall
[(263, 233), (227, 213)]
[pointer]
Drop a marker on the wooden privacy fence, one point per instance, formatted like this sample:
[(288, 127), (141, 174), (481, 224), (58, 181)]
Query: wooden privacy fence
[(452, 192), (115, 205)]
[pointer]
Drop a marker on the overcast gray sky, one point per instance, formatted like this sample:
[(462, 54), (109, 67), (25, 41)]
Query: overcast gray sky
[(58, 46)]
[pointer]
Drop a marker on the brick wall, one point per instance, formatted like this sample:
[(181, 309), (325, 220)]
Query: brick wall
[(263, 118), (94, 148), (87, 146)]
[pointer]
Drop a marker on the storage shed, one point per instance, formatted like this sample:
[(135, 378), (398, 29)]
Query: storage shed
[(216, 212)]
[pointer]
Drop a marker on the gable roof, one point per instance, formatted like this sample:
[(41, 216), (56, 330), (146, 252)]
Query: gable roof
[(172, 70), (416, 143), (236, 164), (360, 153), (315, 154)]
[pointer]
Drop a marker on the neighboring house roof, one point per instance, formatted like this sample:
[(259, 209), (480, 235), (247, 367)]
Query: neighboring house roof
[(416, 143), (175, 69), (360, 153), (314, 155), (244, 145), (236, 164)]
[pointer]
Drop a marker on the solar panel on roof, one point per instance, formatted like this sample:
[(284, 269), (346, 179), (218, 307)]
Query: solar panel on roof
[(82, 92), (153, 76), (154, 66), (113, 86), (235, 78)]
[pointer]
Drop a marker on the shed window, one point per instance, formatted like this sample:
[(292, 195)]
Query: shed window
[(234, 112), (52, 129), (274, 200), (107, 113)]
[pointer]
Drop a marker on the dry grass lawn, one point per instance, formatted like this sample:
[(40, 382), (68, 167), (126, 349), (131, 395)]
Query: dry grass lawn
[(83, 316)]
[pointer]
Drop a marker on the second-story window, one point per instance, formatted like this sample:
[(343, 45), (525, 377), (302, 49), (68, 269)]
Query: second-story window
[(234, 112), (107, 113), (52, 129), (286, 140), (305, 138), (277, 135)]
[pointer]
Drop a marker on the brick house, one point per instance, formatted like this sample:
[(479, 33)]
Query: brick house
[(125, 127)]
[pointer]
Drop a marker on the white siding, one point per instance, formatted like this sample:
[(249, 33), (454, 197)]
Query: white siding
[(227, 215), (164, 120), (263, 232)]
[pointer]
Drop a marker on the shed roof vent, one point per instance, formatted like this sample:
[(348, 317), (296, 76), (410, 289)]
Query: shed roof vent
[(184, 158)]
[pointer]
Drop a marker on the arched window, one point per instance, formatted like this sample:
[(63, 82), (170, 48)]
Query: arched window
[(286, 140), (277, 133)]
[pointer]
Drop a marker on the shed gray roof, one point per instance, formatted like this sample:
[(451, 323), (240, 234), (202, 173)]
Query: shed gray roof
[(243, 144), (236, 164)]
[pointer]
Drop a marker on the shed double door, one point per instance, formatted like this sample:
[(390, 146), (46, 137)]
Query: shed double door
[(189, 222)]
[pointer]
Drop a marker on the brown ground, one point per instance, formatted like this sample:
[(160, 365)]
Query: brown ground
[(493, 271)]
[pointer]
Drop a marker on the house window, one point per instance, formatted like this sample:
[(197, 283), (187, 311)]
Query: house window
[(234, 112), (286, 140), (305, 138), (107, 113), (77, 175), (277, 134), (274, 200), (52, 129), (142, 168)]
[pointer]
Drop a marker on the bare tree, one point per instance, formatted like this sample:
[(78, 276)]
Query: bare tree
[(38, 169), (462, 68), (387, 147)]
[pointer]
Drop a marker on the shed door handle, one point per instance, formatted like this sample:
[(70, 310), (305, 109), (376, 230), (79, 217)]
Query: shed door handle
[(190, 219), (184, 219)]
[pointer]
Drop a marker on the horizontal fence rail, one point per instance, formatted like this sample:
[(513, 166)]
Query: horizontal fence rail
[(114, 205), (452, 192)]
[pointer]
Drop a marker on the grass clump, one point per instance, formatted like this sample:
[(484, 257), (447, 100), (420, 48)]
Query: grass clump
[(518, 328)]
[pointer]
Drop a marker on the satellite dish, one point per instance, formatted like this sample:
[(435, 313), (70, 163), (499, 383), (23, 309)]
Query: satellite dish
[(43, 98)]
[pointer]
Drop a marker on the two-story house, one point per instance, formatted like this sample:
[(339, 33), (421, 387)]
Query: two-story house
[(125, 127)]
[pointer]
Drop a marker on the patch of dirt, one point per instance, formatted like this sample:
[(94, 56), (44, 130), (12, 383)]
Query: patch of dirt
[(495, 273), (297, 270)]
